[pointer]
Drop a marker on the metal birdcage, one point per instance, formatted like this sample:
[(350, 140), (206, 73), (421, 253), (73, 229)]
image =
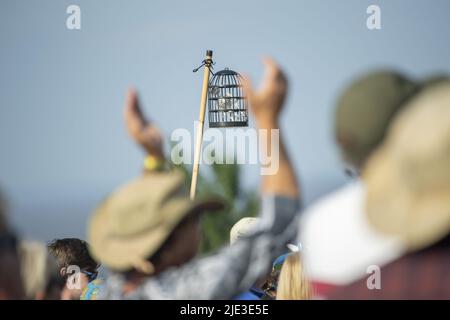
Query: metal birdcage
[(227, 105)]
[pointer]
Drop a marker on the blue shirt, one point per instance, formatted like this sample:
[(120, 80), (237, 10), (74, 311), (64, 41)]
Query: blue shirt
[(253, 294)]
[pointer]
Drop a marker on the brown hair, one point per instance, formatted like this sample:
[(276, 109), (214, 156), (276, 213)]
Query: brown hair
[(72, 251)]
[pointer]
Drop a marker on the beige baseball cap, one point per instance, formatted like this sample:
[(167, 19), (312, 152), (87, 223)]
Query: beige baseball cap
[(133, 223), (408, 177)]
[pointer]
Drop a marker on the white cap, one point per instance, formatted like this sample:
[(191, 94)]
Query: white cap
[(242, 228)]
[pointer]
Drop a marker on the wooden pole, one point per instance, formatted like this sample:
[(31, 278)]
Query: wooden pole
[(201, 121)]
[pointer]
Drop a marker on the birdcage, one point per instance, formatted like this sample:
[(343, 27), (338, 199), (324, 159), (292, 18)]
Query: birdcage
[(227, 105)]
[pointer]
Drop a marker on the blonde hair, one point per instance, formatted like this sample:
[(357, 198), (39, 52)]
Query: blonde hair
[(37, 268), (292, 283)]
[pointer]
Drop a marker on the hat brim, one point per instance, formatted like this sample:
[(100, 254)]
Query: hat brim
[(418, 218), (122, 253)]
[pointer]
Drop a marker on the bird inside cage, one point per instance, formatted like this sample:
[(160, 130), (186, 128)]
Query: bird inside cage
[(226, 102)]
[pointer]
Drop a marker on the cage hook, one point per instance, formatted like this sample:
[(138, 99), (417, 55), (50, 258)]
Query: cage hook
[(207, 62)]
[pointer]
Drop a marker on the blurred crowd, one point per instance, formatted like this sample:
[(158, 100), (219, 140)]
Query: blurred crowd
[(385, 235)]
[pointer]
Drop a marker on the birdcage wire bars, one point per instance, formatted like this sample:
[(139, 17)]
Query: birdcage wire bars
[(227, 105)]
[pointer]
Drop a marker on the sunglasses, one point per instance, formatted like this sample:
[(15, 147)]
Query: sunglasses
[(91, 275)]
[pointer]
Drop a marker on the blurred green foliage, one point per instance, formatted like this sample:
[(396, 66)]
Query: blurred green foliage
[(223, 181)]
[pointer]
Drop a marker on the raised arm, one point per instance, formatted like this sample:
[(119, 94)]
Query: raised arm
[(266, 105), (234, 269), (143, 132)]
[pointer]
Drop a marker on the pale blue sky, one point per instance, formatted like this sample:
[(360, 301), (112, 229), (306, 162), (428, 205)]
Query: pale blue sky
[(62, 142)]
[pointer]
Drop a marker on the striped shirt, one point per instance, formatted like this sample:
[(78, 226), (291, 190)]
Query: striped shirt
[(231, 271)]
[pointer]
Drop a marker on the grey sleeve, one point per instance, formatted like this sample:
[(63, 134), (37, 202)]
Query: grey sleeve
[(234, 269)]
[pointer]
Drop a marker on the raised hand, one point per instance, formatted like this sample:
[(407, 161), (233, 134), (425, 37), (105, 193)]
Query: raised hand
[(142, 131), (267, 102)]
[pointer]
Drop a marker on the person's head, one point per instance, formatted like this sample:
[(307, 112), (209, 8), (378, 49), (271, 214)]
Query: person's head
[(408, 178), (3, 218), (271, 284), (292, 283), (148, 225), (40, 273), (10, 281), (72, 255), (177, 250), (366, 108)]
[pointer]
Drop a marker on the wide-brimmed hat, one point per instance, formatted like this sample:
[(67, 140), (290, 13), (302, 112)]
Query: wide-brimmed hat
[(408, 177), (134, 222)]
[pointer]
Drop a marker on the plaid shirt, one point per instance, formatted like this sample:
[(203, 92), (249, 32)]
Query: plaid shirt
[(419, 275), (229, 272)]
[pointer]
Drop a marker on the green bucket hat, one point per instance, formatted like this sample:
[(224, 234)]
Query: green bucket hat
[(366, 108), (134, 222)]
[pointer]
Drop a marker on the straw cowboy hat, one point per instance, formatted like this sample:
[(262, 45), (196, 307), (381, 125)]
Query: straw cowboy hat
[(408, 177), (134, 222)]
